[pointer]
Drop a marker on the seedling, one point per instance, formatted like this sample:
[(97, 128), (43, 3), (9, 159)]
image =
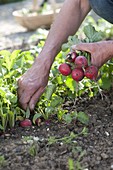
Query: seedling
[(67, 139), (2, 161), (71, 164), (33, 149)]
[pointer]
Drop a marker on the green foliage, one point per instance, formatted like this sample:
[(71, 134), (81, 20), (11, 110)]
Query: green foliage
[(59, 89), (71, 164), (80, 116), (12, 66), (2, 161), (83, 118), (69, 139), (106, 79), (33, 150)]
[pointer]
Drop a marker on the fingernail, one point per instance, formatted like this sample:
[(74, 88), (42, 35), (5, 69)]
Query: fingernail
[(32, 107)]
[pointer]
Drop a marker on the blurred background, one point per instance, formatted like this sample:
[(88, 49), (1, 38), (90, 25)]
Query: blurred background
[(13, 34)]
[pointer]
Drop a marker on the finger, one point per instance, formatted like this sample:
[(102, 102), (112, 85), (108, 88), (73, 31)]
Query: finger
[(94, 60), (35, 98), (19, 90), (83, 47), (25, 98), (23, 105)]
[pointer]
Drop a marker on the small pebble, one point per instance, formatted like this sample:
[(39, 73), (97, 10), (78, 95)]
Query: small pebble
[(104, 156), (112, 166)]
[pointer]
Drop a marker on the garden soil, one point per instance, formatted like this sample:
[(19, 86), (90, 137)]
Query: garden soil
[(30, 149)]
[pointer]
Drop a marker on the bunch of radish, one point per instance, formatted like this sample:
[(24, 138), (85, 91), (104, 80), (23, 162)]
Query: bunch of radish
[(78, 67)]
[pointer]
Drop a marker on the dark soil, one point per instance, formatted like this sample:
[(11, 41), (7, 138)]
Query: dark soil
[(28, 148)]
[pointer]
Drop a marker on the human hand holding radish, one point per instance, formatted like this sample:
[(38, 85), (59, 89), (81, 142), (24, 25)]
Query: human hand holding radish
[(78, 68), (100, 52), (32, 84)]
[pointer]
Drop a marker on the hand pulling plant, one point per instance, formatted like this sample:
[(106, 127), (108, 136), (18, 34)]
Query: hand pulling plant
[(12, 66), (75, 68)]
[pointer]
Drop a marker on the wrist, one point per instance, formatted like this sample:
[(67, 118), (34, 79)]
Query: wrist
[(46, 59)]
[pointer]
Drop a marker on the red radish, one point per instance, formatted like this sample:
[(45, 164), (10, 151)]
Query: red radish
[(91, 72), (81, 62), (65, 69), (77, 74), (71, 57), (25, 123)]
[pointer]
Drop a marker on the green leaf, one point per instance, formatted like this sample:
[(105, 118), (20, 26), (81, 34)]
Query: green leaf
[(106, 83), (59, 79), (49, 91), (83, 118), (1, 127), (5, 53), (97, 37), (13, 57), (75, 40), (27, 113), (65, 47), (71, 164), (56, 101), (11, 119), (49, 110), (89, 31), (67, 118), (36, 116), (71, 84), (4, 119)]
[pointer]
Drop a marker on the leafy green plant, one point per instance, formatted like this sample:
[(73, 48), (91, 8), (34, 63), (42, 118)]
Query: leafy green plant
[(12, 66), (67, 139), (33, 149), (60, 88), (2, 161), (80, 116), (105, 73), (71, 164)]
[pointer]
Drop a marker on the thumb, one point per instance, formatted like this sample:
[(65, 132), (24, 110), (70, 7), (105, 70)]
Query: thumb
[(83, 47)]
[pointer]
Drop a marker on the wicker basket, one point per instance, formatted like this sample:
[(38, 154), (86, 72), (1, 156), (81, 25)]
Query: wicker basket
[(36, 20)]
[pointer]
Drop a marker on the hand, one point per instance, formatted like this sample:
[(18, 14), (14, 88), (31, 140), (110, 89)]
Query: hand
[(32, 84), (100, 52)]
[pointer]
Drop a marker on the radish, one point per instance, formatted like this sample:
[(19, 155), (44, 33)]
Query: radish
[(71, 57), (81, 62), (25, 123), (77, 74), (65, 69), (91, 72)]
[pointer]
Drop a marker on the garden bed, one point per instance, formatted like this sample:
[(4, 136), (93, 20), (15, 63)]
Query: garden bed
[(91, 150), (54, 144)]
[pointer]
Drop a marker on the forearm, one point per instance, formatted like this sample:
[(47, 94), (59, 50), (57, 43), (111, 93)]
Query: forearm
[(66, 23)]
